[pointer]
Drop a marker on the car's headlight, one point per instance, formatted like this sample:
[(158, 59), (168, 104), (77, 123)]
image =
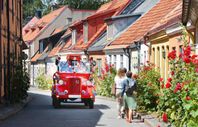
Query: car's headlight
[(61, 82)]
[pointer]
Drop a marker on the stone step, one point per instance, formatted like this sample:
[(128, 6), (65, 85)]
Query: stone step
[(152, 121)]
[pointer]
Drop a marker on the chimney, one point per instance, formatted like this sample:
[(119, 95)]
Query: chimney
[(38, 13)]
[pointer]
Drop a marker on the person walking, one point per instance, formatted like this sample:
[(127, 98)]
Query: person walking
[(128, 87), (118, 90)]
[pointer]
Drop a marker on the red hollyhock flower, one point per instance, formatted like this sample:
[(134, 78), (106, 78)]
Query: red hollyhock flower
[(172, 55), (186, 60), (188, 98), (107, 67), (168, 85), (164, 117), (196, 70), (172, 73), (194, 56), (195, 61), (169, 79), (178, 87), (161, 79), (162, 86), (180, 55), (187, 51)]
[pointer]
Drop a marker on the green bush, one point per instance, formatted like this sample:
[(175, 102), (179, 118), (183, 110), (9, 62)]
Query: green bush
[(105, 82), (43, 82), (148, 88), (21, 84), (179, 99)]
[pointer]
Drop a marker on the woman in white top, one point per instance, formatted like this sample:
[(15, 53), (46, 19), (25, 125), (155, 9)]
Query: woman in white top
[(118, 89)]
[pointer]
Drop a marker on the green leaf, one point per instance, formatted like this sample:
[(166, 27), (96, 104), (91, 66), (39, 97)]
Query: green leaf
[(187, 106), (194, 113)]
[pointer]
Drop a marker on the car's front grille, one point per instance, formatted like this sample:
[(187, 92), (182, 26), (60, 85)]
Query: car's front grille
[(74, 87)]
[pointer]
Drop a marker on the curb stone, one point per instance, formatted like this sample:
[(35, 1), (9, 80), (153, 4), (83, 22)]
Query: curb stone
[(152, 121), (10, 111)]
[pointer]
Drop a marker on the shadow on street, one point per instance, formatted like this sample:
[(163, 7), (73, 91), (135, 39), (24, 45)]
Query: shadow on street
[(40, 113)]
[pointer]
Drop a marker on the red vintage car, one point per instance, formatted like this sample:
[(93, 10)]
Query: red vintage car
[(72, 82)]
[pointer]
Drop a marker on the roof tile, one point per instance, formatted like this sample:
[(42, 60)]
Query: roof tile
[(44, 22), (172, 17), (31, 23), (116, 5), (137, 30)]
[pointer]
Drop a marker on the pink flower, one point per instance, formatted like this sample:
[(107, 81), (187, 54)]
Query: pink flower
[(161, 79), (195, 61), (178, 87), (188, 98), (196, 70)]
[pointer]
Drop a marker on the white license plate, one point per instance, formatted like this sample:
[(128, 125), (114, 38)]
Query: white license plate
[(74, 96), (61, 93)]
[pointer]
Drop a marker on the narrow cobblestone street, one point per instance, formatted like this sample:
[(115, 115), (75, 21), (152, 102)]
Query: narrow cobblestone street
[(40, 113)]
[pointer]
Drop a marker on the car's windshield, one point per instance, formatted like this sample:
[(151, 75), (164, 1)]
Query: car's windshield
[(74, 66)]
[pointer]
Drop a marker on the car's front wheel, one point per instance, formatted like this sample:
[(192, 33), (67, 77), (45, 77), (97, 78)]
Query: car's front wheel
[(91, 104), (55, 102)]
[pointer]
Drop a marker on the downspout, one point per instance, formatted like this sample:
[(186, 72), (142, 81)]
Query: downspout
[(146, 38), (0, 55), (8, 96), (21, 26)]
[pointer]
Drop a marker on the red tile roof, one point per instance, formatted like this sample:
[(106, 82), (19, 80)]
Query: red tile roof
[(171, 18), (66, 46), (59, 47), (35, 57), (114, 6), (43, 23), (137, 30), (31, 23), (57, 30), (80, 45), (38, 55)]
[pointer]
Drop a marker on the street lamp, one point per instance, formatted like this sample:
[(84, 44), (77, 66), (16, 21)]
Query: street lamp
[(127, 52)]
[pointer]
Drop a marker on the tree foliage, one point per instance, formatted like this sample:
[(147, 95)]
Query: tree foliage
[(30, 6), (83, 4)]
